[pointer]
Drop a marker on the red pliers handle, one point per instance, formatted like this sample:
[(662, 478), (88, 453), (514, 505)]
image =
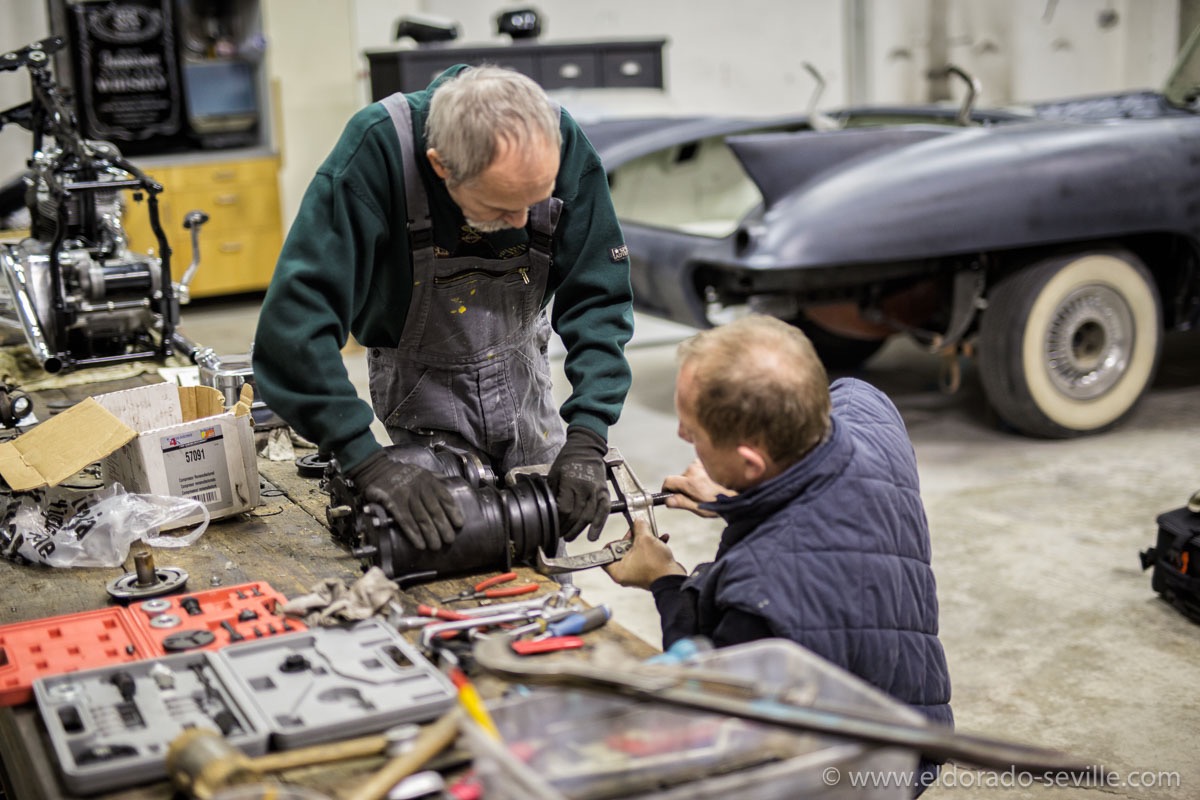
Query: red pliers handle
[(485, 589)]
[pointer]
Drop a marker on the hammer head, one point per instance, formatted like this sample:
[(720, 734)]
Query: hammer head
[(200, 763)]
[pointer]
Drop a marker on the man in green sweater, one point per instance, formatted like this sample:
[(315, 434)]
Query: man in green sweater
[(437, 232)]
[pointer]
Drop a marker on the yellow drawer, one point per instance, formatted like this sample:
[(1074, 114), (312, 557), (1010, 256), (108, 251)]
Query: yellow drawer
[(251, 172), (231, 264), (230, 209)]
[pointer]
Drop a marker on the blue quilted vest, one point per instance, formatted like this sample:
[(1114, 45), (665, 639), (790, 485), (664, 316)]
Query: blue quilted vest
[(834, 553)]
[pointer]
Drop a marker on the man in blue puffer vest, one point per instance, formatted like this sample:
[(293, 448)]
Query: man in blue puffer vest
[(826, 541)]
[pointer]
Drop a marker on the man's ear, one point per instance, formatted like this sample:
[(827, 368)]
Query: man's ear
[(755, 463), (436, 162)]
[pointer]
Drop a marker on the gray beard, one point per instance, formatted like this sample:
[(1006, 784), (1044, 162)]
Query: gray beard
[(489, 227)]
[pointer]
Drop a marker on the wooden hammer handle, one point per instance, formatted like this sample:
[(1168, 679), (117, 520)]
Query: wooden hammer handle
[(431, 741)]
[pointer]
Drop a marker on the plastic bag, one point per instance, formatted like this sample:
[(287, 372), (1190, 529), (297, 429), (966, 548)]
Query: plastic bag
[(64, 527)]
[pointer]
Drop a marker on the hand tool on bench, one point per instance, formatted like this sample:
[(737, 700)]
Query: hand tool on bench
[(201, 763), (487, 589)]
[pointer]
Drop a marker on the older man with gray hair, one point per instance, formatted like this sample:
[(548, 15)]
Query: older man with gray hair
[(436, 233)]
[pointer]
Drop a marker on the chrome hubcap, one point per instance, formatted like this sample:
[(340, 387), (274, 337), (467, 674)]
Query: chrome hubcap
[(1089, 341)]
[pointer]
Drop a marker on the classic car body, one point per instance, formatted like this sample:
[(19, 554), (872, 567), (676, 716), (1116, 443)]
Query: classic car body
[(1056, 243)]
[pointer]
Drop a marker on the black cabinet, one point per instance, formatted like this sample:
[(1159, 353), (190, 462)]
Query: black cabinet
[(615, 64)]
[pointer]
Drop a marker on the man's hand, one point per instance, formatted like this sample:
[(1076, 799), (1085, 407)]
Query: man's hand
[(416, 500), (648, 560), (692, 488), (579, 481)]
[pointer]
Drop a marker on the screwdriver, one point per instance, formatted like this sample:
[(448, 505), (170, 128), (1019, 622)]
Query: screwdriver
[(576, 623)]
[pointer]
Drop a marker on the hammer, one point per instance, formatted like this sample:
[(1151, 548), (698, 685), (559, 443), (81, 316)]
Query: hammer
[(201, 763)]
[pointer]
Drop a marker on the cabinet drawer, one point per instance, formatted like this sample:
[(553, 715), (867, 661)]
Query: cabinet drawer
[(230, 264), (633, 68), (571, 69), (253, 172), (230, 209)]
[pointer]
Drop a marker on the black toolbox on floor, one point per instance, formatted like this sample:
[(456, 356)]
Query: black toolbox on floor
[(1175, 558)]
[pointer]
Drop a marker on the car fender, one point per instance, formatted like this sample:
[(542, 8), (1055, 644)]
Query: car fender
[(996, 188)]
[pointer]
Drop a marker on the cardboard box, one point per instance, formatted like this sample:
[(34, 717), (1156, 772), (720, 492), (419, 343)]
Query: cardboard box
[(158, 439), (188, 445)]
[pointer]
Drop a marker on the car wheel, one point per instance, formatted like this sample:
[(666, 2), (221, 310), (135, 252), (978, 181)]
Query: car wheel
[(1068, 345), (838, 353)]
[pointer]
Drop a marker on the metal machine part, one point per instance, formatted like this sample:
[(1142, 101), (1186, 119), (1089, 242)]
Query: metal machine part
[(227, 374), (15, 405), (73, 287), (502, 527), (152, 608), (512, 523), (147, 580)]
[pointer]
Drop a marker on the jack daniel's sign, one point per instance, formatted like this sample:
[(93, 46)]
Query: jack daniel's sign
[(127, 75)]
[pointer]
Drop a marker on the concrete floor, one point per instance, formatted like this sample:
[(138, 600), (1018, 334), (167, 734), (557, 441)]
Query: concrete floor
[(1053, 634)]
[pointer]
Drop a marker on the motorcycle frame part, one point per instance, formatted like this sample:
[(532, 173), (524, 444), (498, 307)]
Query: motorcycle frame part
[(681, 688), (68, 175)]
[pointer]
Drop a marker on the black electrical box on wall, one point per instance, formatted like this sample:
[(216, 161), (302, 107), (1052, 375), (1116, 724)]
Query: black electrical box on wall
[(165, 76)]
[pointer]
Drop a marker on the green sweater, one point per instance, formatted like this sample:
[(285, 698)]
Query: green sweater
[(345, 268)]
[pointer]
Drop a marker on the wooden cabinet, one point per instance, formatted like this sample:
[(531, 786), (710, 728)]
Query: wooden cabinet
[(241, 240)]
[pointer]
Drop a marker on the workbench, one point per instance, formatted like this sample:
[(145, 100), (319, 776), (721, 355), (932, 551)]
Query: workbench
[(283, 542)]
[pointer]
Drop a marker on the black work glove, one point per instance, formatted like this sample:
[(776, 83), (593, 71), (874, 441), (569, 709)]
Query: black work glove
[(579, 481), (416, 499)]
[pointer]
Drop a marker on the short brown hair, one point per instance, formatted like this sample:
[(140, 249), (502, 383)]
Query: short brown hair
[(759, 380)]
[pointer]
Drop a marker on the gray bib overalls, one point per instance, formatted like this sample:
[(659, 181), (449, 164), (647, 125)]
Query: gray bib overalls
[(471, 367)]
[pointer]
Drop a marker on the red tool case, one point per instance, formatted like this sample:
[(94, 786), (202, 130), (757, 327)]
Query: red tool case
[(73, 642)]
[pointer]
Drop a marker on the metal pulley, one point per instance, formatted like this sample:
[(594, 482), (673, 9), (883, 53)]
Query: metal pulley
[(147, 580)]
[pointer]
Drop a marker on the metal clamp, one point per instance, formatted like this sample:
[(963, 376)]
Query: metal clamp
[(631, 500)]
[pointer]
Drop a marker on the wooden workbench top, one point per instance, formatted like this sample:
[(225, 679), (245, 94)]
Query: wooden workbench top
[(283, 542)]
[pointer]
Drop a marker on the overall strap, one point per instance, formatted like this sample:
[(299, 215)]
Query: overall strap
[(420, 226), (543, 219)]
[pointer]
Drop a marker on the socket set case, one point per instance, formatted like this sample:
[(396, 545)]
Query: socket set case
[(117, 634), (67, 643), (110, 727), (228, 613), (331, 683)]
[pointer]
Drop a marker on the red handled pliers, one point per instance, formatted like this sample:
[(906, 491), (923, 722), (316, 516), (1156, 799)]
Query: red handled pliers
[(485, 589)]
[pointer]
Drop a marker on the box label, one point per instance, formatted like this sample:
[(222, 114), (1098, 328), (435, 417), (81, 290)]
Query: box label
[(196, 466)]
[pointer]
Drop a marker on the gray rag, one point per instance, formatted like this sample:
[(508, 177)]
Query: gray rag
[(331, 603)]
